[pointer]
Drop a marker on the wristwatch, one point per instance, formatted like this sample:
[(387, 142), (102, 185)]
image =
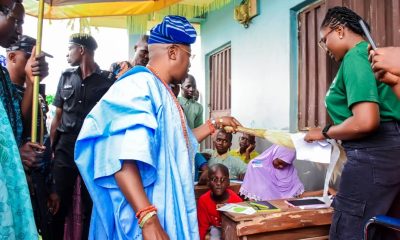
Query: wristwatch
[(325, 131)]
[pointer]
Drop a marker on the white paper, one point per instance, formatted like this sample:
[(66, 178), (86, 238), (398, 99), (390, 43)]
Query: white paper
[(327, 152), (317, 151), (332, 163), (237, 208)]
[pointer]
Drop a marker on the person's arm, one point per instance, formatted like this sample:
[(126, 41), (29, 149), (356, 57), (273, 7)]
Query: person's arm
[(386, 59), (35, 66), (54, 124), (130, 183), (26, 106), (198, 121), (385, 63), (31, 154), (364, 121), (248, 152), (396, 90), (204, 130), (390, 79)]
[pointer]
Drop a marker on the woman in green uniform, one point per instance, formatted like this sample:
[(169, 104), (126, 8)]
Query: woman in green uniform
[(366, 117)]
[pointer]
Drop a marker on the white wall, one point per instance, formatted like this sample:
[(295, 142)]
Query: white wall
[(260, 62)]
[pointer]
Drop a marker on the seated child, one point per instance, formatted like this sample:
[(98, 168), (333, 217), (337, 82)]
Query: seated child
[(207, 213), (246, 150), (272, 175), (222, 143)]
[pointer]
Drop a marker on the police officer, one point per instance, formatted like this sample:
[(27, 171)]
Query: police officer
[(78, 91), (35, 157)]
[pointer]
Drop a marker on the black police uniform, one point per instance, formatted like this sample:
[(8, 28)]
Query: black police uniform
[(76, 97)]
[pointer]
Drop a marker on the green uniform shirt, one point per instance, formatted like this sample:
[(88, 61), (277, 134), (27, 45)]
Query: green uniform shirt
[(193, 112), (355, 82)]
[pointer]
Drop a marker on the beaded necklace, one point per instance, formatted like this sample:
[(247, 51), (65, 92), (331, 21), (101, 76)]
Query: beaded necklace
[(181, 114)]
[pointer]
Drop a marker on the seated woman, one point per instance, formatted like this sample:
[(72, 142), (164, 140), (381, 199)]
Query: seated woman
[(272, 175)]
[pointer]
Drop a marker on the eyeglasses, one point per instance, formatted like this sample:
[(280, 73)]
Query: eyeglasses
[(191, 56), (218, 180), (322, 41)]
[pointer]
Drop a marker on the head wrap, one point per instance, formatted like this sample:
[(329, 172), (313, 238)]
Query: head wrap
[(264, 182), (83, 39), (173, 29)]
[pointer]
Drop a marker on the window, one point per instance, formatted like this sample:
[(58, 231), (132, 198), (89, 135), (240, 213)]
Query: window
[(219, 103)]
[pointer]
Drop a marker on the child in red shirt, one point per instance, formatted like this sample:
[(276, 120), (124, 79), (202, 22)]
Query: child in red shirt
[(219, 193)]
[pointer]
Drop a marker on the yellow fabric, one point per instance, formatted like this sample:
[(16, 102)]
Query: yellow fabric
[(236, 153), (102, 9), (135, 15)]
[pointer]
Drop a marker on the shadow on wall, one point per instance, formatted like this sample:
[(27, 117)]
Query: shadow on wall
[(313, 175)]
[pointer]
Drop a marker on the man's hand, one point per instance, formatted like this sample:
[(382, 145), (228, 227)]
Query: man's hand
[(228, 121), (387, 77), (152, 230), (314, 134), (31, 154), (53, 203), (36, 66), (386, 59), (250, 148)]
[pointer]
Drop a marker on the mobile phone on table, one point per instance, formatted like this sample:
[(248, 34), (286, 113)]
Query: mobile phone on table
[(367, 34)]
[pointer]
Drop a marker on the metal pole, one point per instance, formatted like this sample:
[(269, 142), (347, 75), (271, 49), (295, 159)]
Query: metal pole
[(35, 101)]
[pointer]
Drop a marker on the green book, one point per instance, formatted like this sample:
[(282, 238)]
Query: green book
[(263, 206)]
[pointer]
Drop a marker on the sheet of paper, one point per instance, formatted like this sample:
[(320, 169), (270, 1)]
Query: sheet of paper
[(318, 151), (332, 163), (237, 208), (236, 181), (321, 152)]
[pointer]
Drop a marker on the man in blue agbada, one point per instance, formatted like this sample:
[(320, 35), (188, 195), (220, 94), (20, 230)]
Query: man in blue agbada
[(135, 149)]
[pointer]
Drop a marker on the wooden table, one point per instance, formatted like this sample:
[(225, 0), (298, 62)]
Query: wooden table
[(289, 223), (201, 189)]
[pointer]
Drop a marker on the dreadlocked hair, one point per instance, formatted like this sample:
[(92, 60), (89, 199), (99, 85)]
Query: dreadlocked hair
[(342, 16)]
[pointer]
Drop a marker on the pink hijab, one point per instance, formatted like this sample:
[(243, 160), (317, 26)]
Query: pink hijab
[(264, 182)]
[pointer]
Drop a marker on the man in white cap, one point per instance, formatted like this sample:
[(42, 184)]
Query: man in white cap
[(135, 149)]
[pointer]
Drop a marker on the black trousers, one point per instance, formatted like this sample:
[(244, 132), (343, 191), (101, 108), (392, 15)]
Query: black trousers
[(39, 187), (65, 173), (39, 195), (369, 185)]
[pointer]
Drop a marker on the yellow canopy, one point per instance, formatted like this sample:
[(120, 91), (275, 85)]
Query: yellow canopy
[(62, 9), (135, 15)]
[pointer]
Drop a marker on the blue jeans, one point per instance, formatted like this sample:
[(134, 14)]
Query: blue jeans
[(369, 184)]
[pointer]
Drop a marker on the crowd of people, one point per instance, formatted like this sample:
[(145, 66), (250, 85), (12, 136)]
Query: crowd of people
[(122, 153)]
